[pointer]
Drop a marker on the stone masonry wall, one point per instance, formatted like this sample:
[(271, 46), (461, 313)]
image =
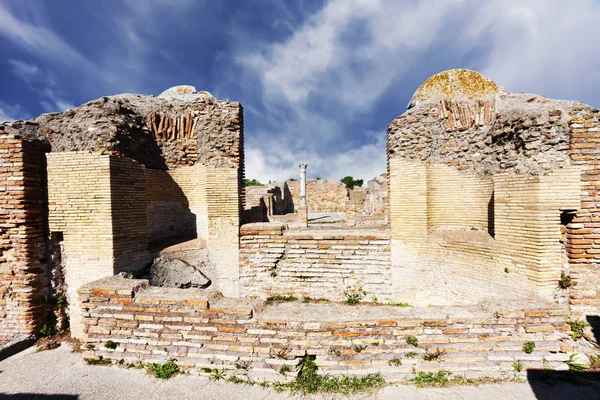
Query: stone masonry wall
[(156, 132), (314, 263), (23, 232), (151, 324), (520, 133)]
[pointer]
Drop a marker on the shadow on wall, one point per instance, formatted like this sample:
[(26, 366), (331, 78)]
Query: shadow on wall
[(288, 200), (37, 396), (572, 384), (281, 201), (147, 205), (256, 214), (169, 214), (490, 211)]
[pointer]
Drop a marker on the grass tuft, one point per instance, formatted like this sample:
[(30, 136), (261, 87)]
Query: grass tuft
[(280, 298), (435, 379), (111, 345), (577, 328), (434, 355), (164, 371), (528, 347)]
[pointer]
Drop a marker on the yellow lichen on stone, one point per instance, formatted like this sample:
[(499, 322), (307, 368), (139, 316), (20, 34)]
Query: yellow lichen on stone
[(453, 83), (185, 89)]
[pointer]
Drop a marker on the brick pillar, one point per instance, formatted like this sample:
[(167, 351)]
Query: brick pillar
[(98, 202), (23, 229), (583, 233), (223, 214)]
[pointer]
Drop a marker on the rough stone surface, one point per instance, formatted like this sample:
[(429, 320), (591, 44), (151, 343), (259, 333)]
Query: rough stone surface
[(517, 133), (176, 273), (185, 93), (60, 374), (159, 132), (455, 83)]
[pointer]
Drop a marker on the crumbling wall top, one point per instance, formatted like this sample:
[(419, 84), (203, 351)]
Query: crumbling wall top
[(455, 83), (159, 132)]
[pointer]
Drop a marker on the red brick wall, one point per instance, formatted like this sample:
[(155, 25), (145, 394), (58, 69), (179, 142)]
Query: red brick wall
[(583, 233), (152, 324), (23, 230)]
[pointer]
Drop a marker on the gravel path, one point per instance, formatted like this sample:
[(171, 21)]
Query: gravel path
[(60, 374)]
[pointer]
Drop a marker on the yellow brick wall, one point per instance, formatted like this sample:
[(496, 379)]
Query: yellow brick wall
[(456, 199), (525, 212), (177, 202), (128, 213), (223, 215), (527, 222), (102, 217), (408, 199)]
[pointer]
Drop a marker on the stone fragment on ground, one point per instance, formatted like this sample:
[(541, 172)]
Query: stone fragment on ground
[(173, 272)]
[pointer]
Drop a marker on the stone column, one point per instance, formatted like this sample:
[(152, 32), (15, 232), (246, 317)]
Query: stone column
[(303, 209)]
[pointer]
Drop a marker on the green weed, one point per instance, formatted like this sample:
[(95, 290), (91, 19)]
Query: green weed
[(280, 298), (528, 347), (355, 296), (412, 340), (577, 328), (111, 345), (164, 371)]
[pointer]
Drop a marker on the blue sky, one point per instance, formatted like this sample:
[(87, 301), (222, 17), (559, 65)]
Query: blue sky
[(319, 80)]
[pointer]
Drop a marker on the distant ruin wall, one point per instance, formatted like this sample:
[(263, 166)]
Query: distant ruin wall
[(313, 263), (323, 195), (23, 233)]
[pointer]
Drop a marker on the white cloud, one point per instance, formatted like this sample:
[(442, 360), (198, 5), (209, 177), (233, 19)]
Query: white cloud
[(44, 83), (346, 57), (55, 102), (26, 71), (12, 112), (40, 41), (276, 163)]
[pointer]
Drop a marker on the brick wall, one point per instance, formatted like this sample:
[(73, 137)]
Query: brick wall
[(531, 152), (323, 195), (315, 263), (527, 215), (152, 324), (455, 199), (583, 233), (176, 201), (128, 214), (524, 213), (98, 203), (23, 231), (223, 206)]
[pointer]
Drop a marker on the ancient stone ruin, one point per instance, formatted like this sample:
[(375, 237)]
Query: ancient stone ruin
[(134, 208)]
